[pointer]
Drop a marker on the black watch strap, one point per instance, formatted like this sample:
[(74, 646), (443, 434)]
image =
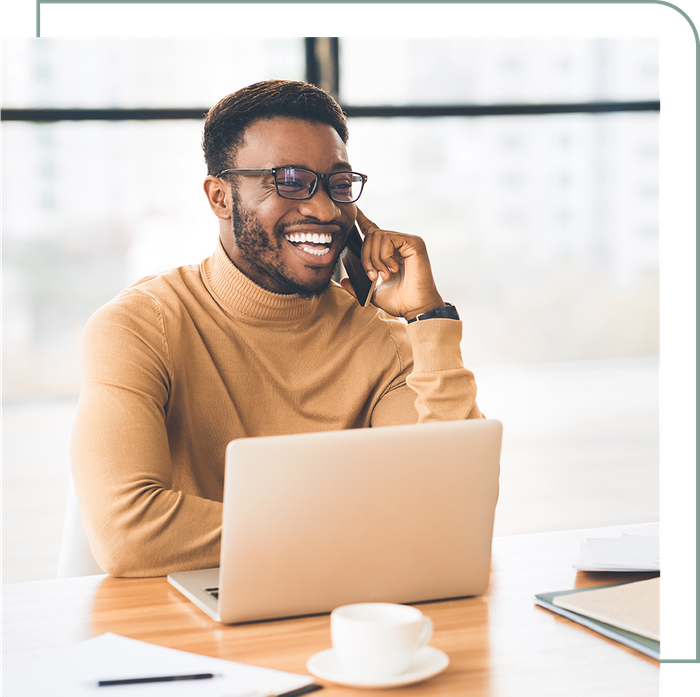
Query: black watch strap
[(447, 312)]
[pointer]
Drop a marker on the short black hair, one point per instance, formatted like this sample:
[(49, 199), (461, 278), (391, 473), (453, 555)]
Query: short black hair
[(227, 120)]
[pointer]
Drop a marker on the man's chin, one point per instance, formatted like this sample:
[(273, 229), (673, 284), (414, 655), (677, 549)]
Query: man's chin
[(312, 294), (312, 285), (312, 291), (305, 288)]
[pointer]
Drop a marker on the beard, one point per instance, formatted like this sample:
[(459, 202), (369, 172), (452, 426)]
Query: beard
[(264, 253)]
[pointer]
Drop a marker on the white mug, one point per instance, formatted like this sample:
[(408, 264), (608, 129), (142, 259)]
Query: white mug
[(378, 640)]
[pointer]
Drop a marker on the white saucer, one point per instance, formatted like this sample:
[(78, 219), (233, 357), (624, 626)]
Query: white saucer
[(429, 661)]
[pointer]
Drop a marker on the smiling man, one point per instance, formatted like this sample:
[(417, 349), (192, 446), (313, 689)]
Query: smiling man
[(285, 247), (256, 339)]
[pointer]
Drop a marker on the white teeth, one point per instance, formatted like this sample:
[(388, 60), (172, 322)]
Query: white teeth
[(314, 238), (317, 252)]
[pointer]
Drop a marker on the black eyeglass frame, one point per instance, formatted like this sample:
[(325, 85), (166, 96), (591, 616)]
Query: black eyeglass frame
[(249, 171)]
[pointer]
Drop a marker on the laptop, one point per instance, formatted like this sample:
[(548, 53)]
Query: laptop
[(400, 514)]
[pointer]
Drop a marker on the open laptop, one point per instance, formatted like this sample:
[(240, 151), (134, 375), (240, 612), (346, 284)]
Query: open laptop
[(399, 514)]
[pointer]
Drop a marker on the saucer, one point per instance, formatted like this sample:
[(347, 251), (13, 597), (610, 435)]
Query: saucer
[(429, 661)]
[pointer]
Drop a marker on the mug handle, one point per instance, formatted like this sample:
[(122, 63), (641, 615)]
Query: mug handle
[(425, 633)]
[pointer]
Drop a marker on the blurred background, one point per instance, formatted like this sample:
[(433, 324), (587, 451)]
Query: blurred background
[(530, 167)]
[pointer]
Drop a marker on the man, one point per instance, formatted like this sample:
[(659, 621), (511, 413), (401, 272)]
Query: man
[(256, 340)]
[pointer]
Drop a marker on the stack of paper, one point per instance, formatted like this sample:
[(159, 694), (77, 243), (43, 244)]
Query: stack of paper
[(626, 612), (627, 553), (75, 670)]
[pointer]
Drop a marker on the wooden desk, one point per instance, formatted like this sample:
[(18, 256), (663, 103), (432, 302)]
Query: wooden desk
[(500, 645)]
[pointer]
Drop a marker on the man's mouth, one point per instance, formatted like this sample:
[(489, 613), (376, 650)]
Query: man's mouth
[(315, 243)]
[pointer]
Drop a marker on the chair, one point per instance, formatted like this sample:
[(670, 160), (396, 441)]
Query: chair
[(76, 558)]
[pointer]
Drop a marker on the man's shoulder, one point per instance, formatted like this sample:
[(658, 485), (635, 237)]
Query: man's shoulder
[(152, 294), (166, 282), (162, 286)]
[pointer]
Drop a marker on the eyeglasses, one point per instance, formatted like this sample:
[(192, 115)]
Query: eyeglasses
[(300, 184)]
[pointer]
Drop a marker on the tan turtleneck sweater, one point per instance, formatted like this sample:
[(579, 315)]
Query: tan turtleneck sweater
[(180, 364)]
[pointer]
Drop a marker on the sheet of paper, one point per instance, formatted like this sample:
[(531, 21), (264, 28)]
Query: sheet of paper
[(633, 607), (627, 553), (73, 671)]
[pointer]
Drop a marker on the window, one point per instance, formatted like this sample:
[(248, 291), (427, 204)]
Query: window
[(542, 228)]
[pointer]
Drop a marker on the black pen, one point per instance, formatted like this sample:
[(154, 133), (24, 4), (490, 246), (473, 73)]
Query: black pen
[(164, 678), (302, 690)]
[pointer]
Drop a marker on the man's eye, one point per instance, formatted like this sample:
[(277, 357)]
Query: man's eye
[(292, 180), (291, 184), (341, 183)]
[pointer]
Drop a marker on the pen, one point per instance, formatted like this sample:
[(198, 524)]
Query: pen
[(302, 690), (292, 693), (163, 678)]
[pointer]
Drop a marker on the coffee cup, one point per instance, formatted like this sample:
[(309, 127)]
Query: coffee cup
[(378, 640)]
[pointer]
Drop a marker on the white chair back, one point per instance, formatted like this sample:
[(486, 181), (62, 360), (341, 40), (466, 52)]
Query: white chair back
[(76, 558)]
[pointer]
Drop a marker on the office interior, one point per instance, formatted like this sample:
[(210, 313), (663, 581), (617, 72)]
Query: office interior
[(529, 166)]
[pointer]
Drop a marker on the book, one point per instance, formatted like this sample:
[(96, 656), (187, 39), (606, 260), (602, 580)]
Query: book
[(629, 604)]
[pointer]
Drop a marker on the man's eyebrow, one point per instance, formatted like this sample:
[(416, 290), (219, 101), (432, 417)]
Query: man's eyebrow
[(337, 167)]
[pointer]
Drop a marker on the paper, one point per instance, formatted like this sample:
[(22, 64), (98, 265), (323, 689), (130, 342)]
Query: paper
[(627, 553), (633, 607), (74, 671)]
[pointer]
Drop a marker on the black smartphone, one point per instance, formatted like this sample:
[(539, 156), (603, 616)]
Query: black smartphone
[(352, 261)]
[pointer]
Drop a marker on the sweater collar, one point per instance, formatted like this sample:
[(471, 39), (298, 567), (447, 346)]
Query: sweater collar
[(238, 295)]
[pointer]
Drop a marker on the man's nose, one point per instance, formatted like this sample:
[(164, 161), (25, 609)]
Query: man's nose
[(320, 206)]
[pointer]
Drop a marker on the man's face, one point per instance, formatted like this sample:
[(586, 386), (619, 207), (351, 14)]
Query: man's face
[(265, 239)]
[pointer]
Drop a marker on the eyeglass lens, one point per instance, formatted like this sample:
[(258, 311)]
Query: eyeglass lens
[(293, 182)]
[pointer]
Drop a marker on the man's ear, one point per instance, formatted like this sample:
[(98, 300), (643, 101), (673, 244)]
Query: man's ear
[(219, 196)]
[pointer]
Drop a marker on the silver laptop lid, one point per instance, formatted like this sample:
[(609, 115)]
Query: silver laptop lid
[(398, 514)]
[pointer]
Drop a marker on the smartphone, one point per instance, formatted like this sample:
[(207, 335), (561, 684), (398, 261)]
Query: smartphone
[(352, 261)]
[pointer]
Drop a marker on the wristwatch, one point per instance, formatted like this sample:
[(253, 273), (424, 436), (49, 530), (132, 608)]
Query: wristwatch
[(447, 312)]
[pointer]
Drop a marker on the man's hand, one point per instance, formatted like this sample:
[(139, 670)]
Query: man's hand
[(406, 288)]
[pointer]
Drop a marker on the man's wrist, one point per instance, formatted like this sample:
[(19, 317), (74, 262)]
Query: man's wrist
[(448, 311)]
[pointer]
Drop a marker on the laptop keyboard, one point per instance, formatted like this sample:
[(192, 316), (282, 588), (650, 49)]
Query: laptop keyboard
[(214, 592)]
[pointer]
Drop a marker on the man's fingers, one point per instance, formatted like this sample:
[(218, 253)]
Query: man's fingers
[(369, 255), (366, 225), (379, 248), (389, 251), (402, 261)]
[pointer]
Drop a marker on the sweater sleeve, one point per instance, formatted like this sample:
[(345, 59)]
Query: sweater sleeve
[(439, 387), (136, 523)]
